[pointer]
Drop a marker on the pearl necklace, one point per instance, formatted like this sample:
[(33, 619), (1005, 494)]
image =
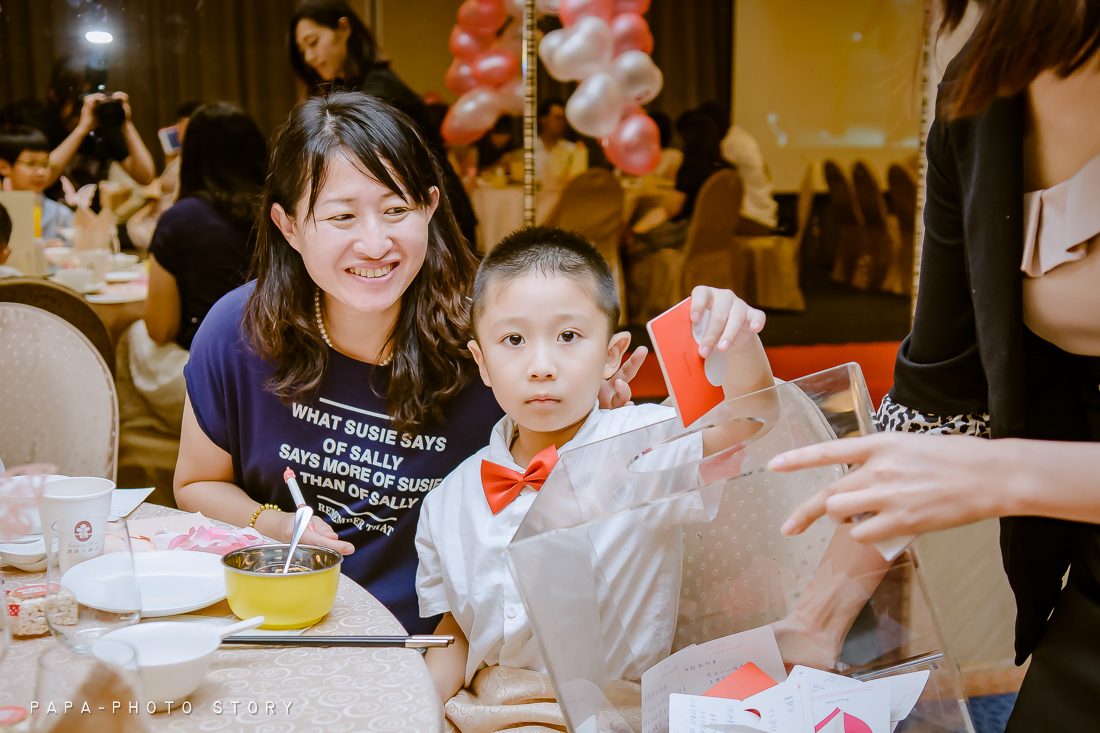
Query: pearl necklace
[(324, 333)]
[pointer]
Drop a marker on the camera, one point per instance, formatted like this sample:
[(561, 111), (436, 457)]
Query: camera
[(108, 112)]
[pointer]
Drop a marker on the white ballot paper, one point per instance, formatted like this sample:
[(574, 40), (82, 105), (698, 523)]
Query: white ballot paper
[(695, 669), (695, 714)]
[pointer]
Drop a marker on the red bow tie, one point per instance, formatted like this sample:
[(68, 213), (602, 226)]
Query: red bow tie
[(502, 485)]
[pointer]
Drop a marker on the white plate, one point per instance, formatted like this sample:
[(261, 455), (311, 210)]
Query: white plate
[(123, 260), (86, 290), (23, 553), (123, 276), (170, 582), (114, 298)]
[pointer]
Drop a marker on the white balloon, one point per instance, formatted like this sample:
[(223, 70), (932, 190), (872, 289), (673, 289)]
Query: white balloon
[(586, 50), (548, 7), (596, 107), (640, 78), (549, 46), (477, 109), (512, 96)]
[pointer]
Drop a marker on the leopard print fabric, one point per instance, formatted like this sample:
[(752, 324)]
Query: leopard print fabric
[(894, 417)]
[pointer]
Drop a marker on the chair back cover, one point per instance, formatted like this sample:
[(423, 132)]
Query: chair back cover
[(712, 255), (57, 396), (592, 205), (882, 229), (637, 546), (842, 194), (903, 195), (63, 302)]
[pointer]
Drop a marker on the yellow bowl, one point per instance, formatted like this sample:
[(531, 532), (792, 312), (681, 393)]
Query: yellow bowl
[(291, 601)]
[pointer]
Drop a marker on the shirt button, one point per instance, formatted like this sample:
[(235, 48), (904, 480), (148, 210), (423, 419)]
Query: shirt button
[(511, 613)]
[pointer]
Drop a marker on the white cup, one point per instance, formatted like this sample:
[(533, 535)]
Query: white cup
[(77, 278), (83, 496), (96, 260)]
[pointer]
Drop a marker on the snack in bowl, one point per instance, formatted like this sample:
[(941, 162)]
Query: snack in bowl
[(256, 585)]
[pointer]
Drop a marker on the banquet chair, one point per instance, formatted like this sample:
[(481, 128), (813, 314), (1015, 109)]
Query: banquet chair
[(712, 254), (851, 265), (774, 262), (592, 205), (903, 196), (57, 396), (62, 302), (882, 229)]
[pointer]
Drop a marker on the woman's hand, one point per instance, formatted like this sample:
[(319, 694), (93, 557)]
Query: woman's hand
[(88, 120), (732, 321), (318, 533), (125, 99), (911, 483), (615, 392)]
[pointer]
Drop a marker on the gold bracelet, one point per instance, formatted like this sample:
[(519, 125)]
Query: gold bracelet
[(256, 514)]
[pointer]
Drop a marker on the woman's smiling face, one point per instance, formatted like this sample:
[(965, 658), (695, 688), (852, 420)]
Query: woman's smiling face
[(323, 48), (364, 244)]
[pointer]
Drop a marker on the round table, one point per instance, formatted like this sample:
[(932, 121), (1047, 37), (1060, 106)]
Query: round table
[(329, 690), (500, 211), (117, 317)]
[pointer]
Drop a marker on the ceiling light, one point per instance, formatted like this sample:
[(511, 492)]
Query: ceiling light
[(99, 37)]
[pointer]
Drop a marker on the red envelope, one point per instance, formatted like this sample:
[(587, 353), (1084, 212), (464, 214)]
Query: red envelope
[(678, 355), (745, 682)]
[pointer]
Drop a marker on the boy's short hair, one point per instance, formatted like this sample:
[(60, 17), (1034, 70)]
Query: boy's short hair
[(16, 139), (5, 227), (549, 251)]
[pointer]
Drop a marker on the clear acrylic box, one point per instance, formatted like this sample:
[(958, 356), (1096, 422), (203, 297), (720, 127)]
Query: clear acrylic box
[(638, 546)]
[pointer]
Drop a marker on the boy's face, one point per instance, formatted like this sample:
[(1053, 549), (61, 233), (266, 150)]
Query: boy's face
[(542, 345), (30, 172)]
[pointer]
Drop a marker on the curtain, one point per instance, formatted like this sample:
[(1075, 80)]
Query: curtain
[(693, 48), (165, 52)]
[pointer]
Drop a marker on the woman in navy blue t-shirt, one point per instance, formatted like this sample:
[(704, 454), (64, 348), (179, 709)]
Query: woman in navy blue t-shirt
[(345, 360)]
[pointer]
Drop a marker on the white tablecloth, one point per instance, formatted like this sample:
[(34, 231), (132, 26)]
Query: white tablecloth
[(329, 690), (500, 211)]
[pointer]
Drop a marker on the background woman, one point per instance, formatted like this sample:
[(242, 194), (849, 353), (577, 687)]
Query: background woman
[(201, 249), (1005, 343), (345, 360), (329, 43)]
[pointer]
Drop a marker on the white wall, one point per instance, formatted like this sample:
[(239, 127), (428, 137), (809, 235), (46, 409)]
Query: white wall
[(816, 79)]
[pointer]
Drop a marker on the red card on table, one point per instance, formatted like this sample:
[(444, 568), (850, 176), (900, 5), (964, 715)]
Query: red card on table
[(745, 682), (678, 355)]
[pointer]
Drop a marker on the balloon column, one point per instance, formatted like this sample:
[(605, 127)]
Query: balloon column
[(485, 72), (605, 45)]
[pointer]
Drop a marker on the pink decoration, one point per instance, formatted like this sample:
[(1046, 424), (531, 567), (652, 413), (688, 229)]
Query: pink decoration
[(209, 539), (635, 145), (640, 78), (460, 77), (495, 67), (467, 45), (482, 16), (631, 33), (471, 116), (19, 505), (570, 11), (630, 6), (595, 107), (584, 50)]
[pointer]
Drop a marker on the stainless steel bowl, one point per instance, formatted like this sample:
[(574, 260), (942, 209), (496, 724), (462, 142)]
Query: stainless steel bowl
[(262, 559)]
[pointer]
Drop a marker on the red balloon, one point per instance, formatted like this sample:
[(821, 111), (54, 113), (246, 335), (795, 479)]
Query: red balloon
[(573, 10), (495, 67), (471, 116), (466, 45), (460, 77), (630, 6), (635, 146), (631, 33), (482, 16)]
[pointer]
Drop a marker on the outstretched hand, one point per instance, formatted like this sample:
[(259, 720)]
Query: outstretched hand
[(732, 321)]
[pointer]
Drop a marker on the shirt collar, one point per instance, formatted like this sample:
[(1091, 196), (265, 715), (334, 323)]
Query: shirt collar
[(502, 437)]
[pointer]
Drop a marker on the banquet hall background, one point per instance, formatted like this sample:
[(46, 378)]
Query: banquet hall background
[(834, 95)]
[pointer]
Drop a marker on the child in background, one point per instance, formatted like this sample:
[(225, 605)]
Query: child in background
[(25, 164), (543, 318)]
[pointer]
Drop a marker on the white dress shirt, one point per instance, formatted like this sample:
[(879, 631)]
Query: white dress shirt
[(464, 568), (556, 166), (741, 149)]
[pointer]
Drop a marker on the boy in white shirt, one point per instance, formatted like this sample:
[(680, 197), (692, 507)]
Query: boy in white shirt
[(543, 318)]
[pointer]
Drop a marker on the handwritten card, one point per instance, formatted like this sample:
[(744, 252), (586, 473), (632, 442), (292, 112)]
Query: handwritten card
[(780, 709), (692, 714), (867, 702)]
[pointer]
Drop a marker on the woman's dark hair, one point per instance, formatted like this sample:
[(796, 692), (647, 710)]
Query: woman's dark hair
[(68, 81), (664, 127), (1014, 42), (224, 161), (430, 362), (362, 50)]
